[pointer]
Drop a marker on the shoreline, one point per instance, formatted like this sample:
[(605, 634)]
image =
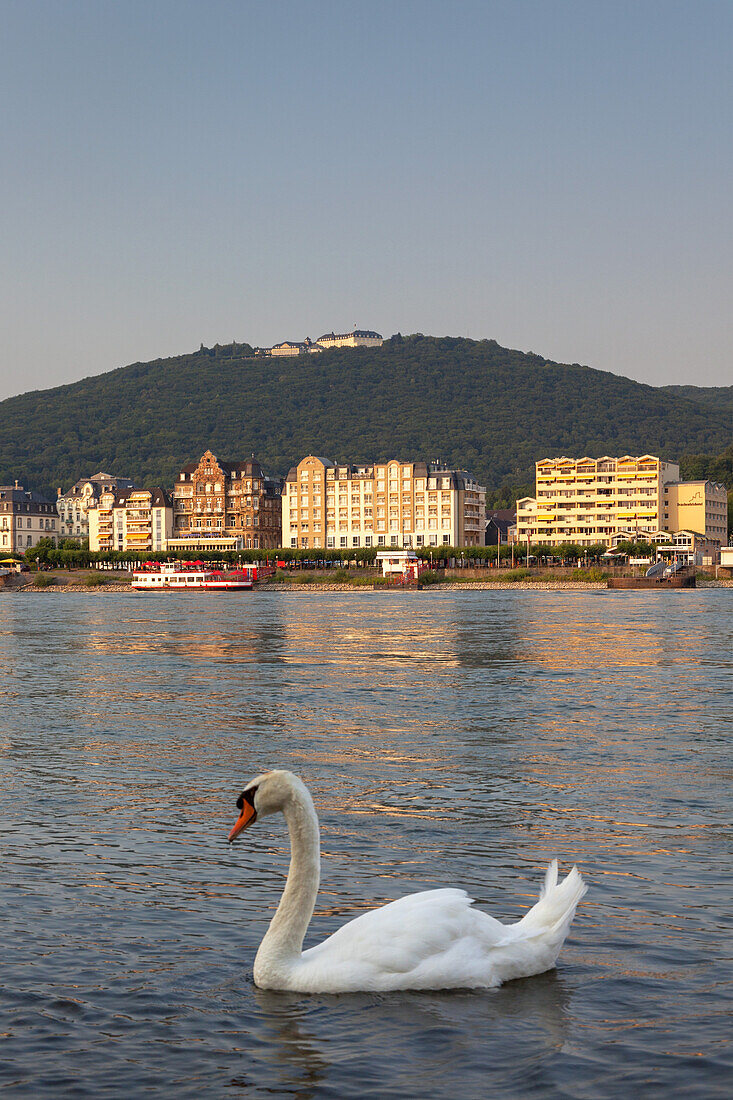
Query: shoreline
[(448, 586)]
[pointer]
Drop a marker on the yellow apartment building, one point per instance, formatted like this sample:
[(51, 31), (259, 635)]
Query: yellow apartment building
[(139, 519), (592, 500), (402, 504), (700, 506)]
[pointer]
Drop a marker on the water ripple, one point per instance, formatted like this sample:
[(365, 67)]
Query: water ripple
[(460, 738)]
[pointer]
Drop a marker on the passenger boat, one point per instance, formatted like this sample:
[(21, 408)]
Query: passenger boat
[(194, 576)]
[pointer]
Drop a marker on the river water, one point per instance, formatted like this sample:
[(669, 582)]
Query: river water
[(448, 739)]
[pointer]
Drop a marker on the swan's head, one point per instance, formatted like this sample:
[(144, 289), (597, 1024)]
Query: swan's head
[(266, 794)]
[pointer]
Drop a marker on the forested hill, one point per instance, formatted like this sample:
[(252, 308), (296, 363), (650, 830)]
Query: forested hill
[(471, 403), (719, 396)]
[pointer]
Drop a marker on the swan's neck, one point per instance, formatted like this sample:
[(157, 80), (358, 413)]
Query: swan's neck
[(283, 942)]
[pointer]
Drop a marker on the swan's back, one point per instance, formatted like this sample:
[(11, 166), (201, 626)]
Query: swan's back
[(437, 940)]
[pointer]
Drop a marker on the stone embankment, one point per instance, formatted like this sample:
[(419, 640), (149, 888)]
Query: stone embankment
[(72, 588), (534, 585)]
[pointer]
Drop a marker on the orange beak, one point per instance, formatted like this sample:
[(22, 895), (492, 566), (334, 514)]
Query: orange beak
[(247, 816)]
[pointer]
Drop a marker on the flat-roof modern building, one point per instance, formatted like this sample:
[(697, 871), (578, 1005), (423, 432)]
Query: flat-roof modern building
[(700, 506)]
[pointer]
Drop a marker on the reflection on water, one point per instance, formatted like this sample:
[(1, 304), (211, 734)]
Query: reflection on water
[(451, 739)]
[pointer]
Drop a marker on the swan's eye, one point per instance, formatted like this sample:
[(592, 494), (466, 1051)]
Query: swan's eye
[(247, 796)]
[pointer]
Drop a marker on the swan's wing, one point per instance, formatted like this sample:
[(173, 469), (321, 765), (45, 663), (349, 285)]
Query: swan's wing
[(423, 940)]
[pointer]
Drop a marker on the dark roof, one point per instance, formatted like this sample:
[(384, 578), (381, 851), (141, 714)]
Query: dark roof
[(24, 496), (99, 480)]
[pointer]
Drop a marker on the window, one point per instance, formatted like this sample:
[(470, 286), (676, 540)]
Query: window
[(355, 541), (293, 542), (368, 540), (342, 541), (330, 542)]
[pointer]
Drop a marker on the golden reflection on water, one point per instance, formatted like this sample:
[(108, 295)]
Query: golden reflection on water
[(559, 642)]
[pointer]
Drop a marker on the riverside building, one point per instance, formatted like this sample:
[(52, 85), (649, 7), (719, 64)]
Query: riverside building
[(589, 501), (225, 506), (140, 519), (73, 507), (25, 517), (389, 504), (700, 506)]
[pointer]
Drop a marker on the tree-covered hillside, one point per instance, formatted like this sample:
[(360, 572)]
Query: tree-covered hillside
[(471, 403), (719, 397)]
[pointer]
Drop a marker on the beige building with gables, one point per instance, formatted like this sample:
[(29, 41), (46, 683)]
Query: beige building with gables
[(384, 504)]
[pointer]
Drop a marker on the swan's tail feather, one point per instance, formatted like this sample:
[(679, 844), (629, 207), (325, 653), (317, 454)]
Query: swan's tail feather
[(550, 878), (555, 909)]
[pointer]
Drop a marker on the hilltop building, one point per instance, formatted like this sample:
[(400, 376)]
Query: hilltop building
[(606, 500), (358, 338), (225, 506), (136, 519), (290, 347), (402, 504), (73, 507), (25, 517)]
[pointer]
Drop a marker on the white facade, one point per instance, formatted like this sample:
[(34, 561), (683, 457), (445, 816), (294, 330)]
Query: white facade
[(25, 517), (73, 507)]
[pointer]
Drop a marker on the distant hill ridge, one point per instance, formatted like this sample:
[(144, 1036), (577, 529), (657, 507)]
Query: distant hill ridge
[(471, 403)]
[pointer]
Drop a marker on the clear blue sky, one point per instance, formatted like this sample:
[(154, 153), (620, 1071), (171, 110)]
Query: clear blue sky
[(553, 175)]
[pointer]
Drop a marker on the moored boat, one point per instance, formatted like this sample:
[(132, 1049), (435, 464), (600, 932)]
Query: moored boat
[(194, 576), (660, 575)]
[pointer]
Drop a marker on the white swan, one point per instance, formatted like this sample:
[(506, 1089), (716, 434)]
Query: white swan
[(430, 940)]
